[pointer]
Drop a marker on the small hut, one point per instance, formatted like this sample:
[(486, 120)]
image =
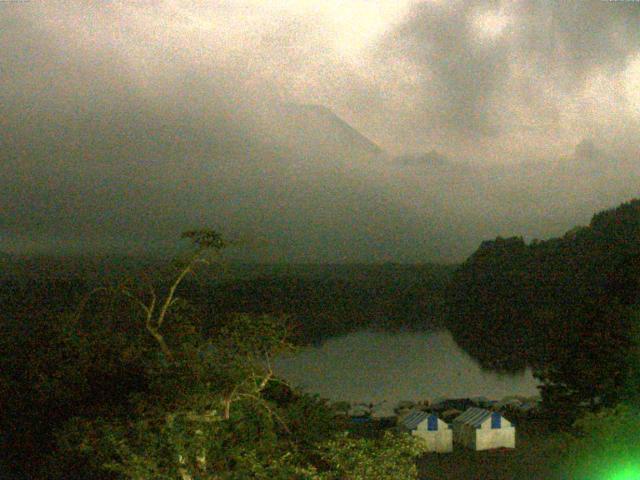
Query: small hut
[(480, 429), (437, 435)]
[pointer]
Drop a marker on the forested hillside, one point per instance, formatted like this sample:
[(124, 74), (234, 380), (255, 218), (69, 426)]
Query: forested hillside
[(562, 305), (321, 300), (329, 300)]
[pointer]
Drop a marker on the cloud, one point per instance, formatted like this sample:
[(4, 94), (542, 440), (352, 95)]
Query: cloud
[(459, 74), (574, 39), (123, 123), (482, 70), (429, 159)]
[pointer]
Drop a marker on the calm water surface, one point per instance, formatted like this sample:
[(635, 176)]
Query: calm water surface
[(373, 366)]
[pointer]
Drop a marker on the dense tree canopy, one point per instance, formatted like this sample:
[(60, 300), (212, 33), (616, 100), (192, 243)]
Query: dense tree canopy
[(137, 383), (563, 306)]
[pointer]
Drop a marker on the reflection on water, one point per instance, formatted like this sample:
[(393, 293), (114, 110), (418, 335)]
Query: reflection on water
[(371, 367)]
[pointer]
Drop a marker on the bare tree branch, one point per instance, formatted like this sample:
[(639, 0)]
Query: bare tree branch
[(137, 301), (172, 292)]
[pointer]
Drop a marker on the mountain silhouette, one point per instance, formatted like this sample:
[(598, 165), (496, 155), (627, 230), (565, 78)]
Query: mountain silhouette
[(316, 129)]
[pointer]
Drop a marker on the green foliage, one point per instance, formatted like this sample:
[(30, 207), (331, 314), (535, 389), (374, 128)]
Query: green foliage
[(202, 409), (310, 421), (200, 445), (590, 371), (211, 406), (390, 458), (606, 446), (206, 239), (631, 390), (216, 413)]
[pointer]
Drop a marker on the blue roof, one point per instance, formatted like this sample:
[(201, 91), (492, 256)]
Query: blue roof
[(473, 416), (414, 419)]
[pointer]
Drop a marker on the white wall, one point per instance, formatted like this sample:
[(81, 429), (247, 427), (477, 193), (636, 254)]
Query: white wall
[(440, 441), (495, 438), (485, 437)]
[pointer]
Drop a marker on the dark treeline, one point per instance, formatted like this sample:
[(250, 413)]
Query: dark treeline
[(322, 301), (563, 306), (325, 301), (54, 367)]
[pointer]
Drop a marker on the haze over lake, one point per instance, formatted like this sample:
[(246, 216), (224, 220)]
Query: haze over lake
[(374, 366)]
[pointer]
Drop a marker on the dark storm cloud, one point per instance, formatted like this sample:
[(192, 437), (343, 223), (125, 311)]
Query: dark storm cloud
[(533, 64), (572, 39), (461, 74)]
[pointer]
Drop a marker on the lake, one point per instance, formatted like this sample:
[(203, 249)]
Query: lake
[(372, 366)]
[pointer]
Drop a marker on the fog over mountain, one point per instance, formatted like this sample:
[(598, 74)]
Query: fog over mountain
[(373, 131)]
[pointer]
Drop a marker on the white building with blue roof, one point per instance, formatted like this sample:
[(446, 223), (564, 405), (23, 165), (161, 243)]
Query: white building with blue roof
[(437, 435), (480, 429)]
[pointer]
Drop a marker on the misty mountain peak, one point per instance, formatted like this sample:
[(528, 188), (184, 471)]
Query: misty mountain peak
[(587, 151), (315, 127)]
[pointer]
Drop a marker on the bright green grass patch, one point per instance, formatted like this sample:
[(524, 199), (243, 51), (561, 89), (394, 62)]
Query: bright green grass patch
[(629, 472)]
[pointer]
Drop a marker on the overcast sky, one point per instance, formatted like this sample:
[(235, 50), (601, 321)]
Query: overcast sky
[(123, 122)]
